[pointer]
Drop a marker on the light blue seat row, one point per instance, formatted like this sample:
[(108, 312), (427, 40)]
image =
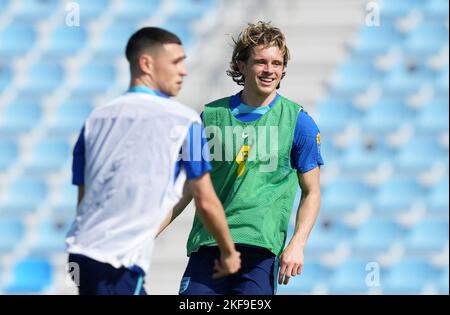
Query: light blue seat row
[(433, 118), (343, 196), (69, 117), (48, 155), (30, 275), (51, 234), (396, 195), (9, 153), (66, 41), (427, 236), (43, 78), (36, 10), (12, 231), (35, 191), (16, 40), (6, 76), (135, 10), (19, 116), (410, 276), (420, 154)]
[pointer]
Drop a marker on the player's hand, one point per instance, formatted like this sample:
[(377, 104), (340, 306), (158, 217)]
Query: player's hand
[(291, 263), (227, 265)]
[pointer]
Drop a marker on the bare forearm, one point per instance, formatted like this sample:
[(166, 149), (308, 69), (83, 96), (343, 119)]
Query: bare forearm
[(176, 211), (306, 217)]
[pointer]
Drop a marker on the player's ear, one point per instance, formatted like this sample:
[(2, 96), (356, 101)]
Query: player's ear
[(146, 63), (241, 66)]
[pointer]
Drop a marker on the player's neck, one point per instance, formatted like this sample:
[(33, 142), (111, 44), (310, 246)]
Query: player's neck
[(256, 100), (143, 81)]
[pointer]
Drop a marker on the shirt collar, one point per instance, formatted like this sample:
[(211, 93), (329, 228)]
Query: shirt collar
[(145, 89)]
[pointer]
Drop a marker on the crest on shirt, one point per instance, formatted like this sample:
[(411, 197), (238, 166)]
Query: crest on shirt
[(318, 138)]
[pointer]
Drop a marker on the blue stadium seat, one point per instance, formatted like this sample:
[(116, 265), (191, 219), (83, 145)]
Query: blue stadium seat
[(51, 234), (70, 117), (373, 41), (409, 276), (183, 31), (343, 196), (428, 236), (442, 82), (325, 237), (328, 150), (433, 118), (399, 8), (9, 152), (420, 154), (31, 275), (350, 278), (386, 116), (135, 10), (334, 116), (190, 10), (437, 200), (20, 116), (35, 191), (6, 76), (353, 77), (66, 41), (397, 195), (16, 40), (36, 10), (426, 39), (48, 155), (95, 78), (443, 281), (377, 235), (313, 274), (92, 10), (113, 40), (4, 4), (12, 231), (400, 81), (66, 205), (436, 9), (359, 159), (43, 78)]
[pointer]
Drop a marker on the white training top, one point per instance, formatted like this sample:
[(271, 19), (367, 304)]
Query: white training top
[(132, 146)]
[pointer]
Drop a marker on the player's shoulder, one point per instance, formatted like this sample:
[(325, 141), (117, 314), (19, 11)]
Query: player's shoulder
[(306, 125), (221, 102), (287, 102)]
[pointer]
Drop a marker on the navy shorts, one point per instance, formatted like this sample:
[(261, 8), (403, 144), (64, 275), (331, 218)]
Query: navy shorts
[(257, 276), (97, 278)]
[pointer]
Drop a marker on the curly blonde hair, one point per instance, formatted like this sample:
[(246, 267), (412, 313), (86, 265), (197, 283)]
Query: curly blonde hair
[(261, 33)]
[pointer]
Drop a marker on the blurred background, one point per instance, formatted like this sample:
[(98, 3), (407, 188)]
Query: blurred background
[(373, 74)]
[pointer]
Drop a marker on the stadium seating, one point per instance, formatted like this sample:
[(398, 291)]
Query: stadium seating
[(35, 191), (12, 231), (429, 235), (48, 156), (438, 197), (397, 195), (376, 236), (23, 283), (69, 117), (409, 276), (9, 152), (386, 162), (20, 116), (16, 40)]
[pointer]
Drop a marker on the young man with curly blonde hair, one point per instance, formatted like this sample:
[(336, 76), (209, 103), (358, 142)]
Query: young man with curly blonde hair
[(274, 147)]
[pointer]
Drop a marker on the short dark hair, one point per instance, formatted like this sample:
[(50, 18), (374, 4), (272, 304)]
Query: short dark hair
[(148, 37)]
